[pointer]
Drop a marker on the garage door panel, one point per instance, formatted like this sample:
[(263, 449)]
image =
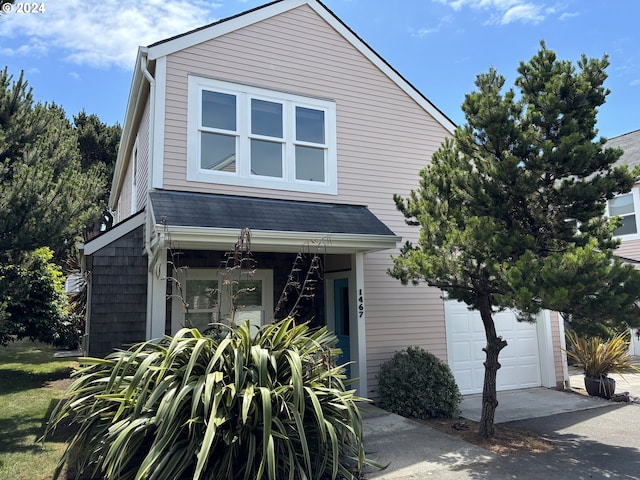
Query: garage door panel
[(466, 338)]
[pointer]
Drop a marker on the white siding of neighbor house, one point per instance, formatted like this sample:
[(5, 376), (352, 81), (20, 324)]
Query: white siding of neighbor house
[(383, 139)]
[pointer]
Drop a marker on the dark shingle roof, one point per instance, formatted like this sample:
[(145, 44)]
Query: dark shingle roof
[(227, 211), (630, 143)]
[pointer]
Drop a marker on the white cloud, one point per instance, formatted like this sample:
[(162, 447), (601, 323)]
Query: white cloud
[(503, 12), (522, 13), (100, 34), (567, 15), (422, 32), (74, 75)]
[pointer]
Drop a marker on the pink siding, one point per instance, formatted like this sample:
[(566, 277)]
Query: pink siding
[(124, 201), (384, 138), (557, 348), (143, 159), (629, 249)]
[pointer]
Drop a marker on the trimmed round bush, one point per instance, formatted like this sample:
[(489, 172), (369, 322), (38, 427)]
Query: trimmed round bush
[(416, 383)]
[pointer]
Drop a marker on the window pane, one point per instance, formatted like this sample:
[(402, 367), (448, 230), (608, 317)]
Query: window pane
[(266, 158), (250, 293), (218, 110), (199, 320), (309, 125), (628, 226), (201, 294), (218, 152), (310, 164), (621, 205), (266, 118)]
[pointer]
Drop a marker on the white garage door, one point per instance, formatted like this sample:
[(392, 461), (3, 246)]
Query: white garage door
[(465, 339)]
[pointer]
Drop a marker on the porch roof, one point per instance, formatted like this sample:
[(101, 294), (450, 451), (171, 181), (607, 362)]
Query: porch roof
[(193, 218)]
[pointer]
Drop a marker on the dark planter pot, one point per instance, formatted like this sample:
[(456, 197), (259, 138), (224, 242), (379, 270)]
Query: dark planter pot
[(600, 387)]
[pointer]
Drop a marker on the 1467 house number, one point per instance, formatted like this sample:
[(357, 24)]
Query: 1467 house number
[(360, 304)]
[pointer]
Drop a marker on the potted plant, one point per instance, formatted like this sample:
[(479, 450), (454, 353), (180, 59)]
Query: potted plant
[(598, 358)]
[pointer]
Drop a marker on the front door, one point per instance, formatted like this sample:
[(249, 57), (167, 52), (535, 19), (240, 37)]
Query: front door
[(341, 312)]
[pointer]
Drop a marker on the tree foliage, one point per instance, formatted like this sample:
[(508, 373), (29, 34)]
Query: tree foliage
[(34, 300), (516, 197), (46, 197)]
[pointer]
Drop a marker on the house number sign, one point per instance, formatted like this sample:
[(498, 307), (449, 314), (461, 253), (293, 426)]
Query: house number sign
[(360, 304)]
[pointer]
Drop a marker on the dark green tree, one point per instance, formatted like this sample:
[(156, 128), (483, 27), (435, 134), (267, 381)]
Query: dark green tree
[(98, 142), (46, 198), (517, 195)]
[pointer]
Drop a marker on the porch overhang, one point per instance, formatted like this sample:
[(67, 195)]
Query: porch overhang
[(213, 222)]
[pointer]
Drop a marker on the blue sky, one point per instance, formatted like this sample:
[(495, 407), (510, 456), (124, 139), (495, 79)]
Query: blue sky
[(80, 54)]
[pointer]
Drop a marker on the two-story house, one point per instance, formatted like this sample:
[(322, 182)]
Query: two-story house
[(283, 120), (627, 207)]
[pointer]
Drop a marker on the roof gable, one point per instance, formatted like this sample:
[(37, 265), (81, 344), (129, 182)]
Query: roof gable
[(250, 17)]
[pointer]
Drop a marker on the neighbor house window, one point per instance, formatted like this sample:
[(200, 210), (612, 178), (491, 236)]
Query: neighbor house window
[(241, 135), (623, 206)]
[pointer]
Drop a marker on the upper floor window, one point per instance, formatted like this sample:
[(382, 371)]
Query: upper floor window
[(241, 135), (624, 206)]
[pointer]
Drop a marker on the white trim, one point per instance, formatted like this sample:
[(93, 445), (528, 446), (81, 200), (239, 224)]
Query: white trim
[(359, 369), (242, 176), (222, 28), (157, 295), (133, 106), (545, 350), (243, 20), (156, 128), (635, 195), (563, 355), (276, 241), (115, 233)]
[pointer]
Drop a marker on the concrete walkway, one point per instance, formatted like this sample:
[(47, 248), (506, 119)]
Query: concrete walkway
[(594, 438)]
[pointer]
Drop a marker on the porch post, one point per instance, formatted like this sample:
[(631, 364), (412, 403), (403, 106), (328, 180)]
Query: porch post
[(157, 293), (360, 314)]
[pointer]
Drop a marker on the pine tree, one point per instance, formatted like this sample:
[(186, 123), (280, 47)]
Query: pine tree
[(516, 197), (45, 196)]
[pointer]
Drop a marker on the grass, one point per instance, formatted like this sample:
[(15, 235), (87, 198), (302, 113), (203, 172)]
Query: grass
[(31, 383)]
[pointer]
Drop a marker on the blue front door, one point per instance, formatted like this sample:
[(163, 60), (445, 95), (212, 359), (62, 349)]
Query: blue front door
[(341, 312)]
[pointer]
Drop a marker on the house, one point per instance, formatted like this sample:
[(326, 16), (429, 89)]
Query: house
[(627, 207), (283, 120)]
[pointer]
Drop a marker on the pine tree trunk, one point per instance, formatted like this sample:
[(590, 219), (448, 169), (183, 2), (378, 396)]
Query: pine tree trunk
[(494, 345)]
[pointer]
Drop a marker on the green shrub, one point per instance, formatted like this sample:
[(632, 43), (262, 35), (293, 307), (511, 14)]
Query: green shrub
[(33, 300), (416, 383), (226, 407)]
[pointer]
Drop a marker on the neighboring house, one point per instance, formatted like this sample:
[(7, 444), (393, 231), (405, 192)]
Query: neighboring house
[(283, 120), (627, 206)]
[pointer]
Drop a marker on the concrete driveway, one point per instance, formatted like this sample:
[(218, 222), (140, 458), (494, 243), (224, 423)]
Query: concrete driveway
[(593, 438)]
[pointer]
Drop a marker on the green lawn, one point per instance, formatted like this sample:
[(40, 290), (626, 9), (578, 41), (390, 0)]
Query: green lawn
[(31, 382)]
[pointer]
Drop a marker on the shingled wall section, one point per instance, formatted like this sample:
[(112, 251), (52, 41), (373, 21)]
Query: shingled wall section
[(118, 294)]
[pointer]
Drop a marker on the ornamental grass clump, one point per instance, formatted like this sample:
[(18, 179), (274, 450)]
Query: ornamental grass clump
[(598, 357), (229, 406)]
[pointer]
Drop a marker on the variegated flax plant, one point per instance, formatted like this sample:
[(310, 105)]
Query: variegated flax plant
[(272, 406)]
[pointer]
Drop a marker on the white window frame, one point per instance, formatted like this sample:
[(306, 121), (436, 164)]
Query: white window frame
[(242, 176), (636, 211), (184, 275)]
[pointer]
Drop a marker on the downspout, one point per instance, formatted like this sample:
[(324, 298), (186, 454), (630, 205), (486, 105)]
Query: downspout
[(144, 61)]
